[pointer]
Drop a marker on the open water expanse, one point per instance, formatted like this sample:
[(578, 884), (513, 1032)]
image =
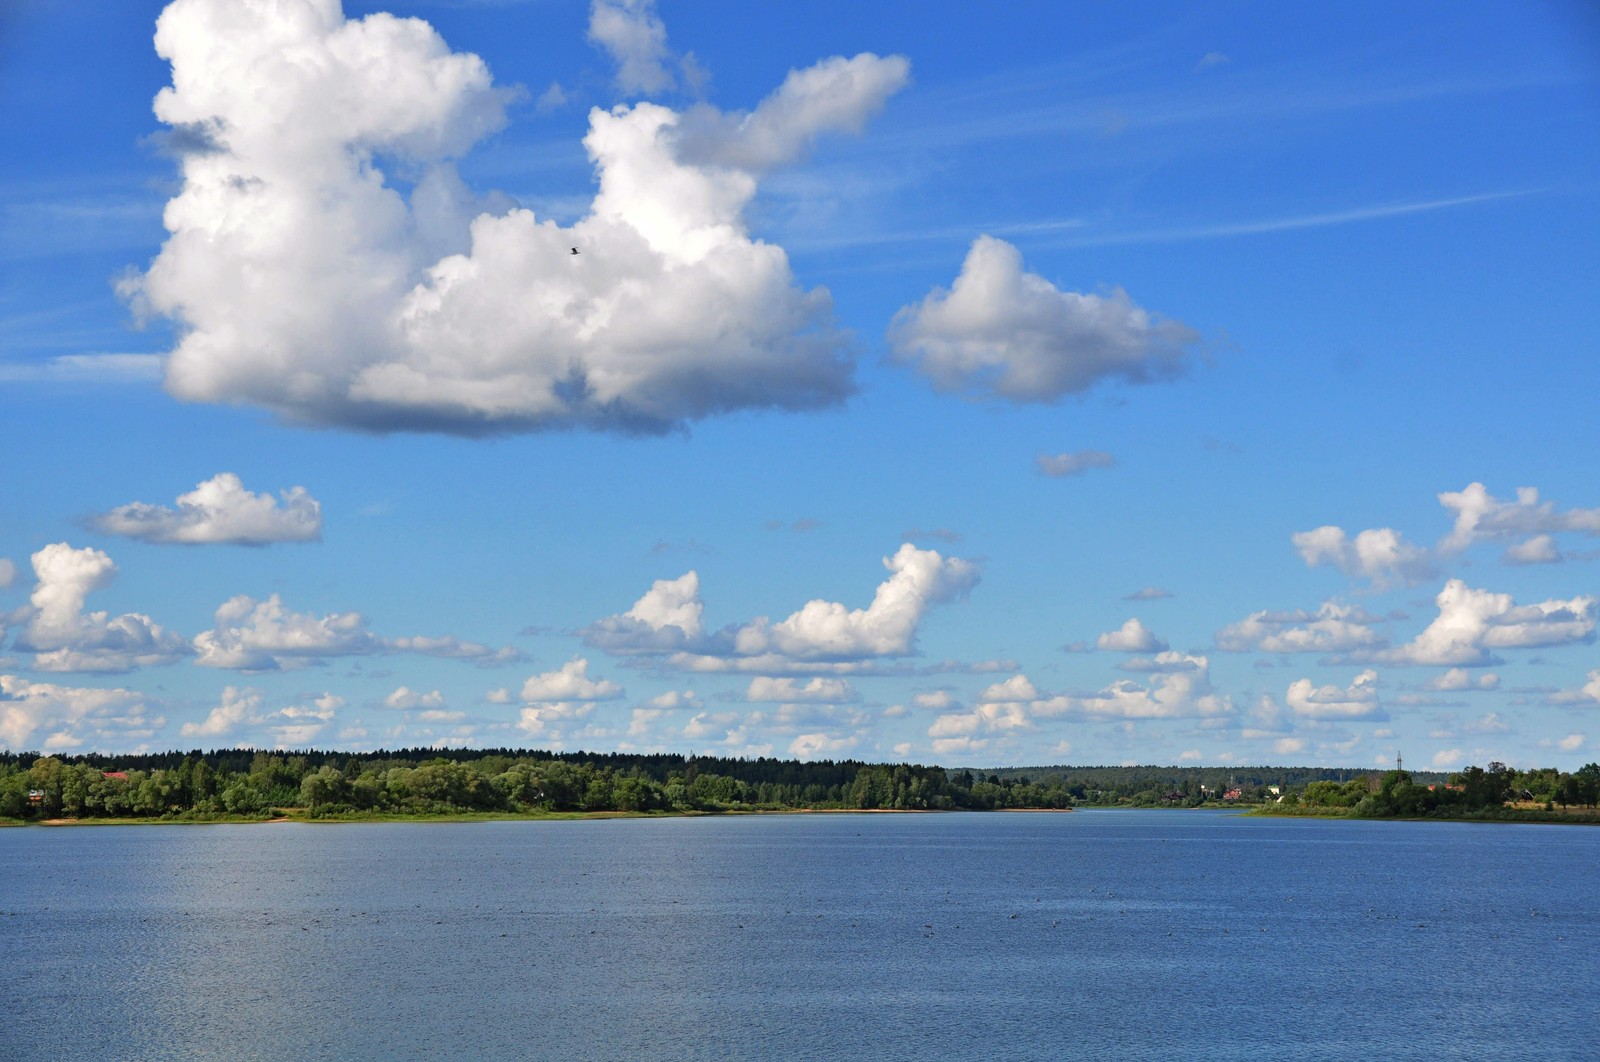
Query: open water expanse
[(1094, 934)]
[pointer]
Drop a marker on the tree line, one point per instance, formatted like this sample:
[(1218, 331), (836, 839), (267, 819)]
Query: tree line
[(234, 783), (1496, 791)]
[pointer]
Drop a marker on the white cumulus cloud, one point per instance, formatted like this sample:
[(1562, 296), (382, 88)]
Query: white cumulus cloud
[(241, 711), (570, 682), (1131, 637), (635, 36), (1001, 331), (1480, 515), (1357, 701), (1379, 554), (63, 637), (304, 280), (1460, 679), (1473, 623), (67, 716), (251, 635), (1333, 628), (822, 634), (220, 510), (817, 690)]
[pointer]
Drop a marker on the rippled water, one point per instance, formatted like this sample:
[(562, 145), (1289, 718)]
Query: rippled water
[(1004, 936)]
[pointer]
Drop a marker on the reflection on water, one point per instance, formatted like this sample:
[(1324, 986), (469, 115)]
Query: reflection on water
[(1093, 934)]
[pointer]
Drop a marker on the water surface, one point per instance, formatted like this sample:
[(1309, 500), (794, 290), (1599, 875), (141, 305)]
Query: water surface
[(1095, 934)]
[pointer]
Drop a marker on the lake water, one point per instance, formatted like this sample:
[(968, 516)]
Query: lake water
[(1094, 934)]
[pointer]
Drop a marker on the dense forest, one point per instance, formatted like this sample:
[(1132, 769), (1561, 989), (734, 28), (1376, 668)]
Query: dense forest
[(246, 783)]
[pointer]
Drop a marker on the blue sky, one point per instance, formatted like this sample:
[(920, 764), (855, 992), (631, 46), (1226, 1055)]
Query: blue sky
[(1059, 384)]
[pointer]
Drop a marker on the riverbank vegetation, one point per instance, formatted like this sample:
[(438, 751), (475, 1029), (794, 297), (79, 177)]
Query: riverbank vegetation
[(244, 785), (1497, 793), (250, 785)]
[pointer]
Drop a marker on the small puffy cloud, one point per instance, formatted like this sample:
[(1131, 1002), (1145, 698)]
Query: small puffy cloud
[(1587, 695), (791, 691), (241, 711), (1571, 743), (1480, 515), (1178, 693), (1289, 746), (1488, 723), (821, 634), (1183, 690), (220, 510), (1131, 637), (1149, 593), (451, 648), (636, 38), (937, 700), (1015, 688), (1073, 464), (251, 635), (1460, 679), (1333, 628), (66, 716), (887, 627), (406, 699), (302, 279), (63, 637), (1381, 555), (1003, 332), (1210, 60), (1473, 623), (1540, 549), (1161, 663), (571, 682), (1446, 758), (1357, 701), (666, 619), (818, 746)]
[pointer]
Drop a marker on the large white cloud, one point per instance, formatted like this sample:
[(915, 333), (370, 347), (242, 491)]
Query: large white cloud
[(1012, 334), (68, 716), (63, 637), (220, 510), (1473, 623), (822, 635), (303, 280)]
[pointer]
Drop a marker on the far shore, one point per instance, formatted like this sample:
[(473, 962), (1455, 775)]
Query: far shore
[(299, 815)]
